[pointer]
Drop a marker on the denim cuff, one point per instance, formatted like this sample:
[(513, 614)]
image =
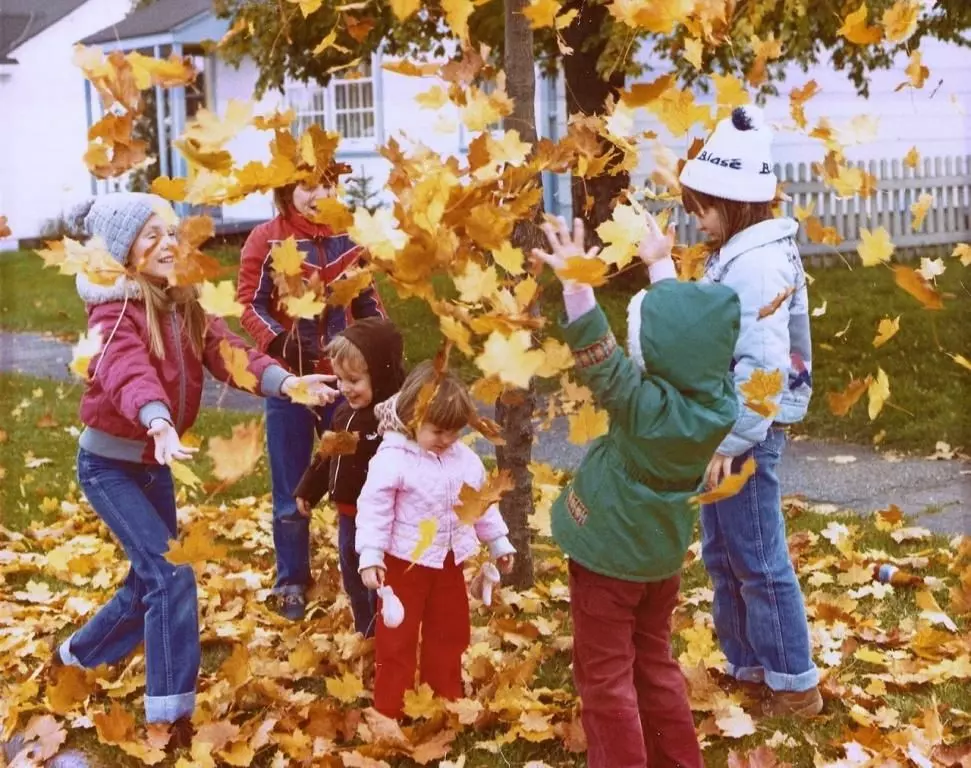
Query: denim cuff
[(168, 709), (68, 658), (290, 589), (778, 681), (745, 674)]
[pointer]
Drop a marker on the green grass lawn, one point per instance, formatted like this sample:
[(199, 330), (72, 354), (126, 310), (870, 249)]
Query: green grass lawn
[(36, 429), (928, 389)]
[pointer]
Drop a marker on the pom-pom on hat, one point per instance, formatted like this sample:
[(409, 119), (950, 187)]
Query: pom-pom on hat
[(736, 161), (116, 218)]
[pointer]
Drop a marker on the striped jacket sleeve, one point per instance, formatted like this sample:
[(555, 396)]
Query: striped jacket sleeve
[(255, 288)]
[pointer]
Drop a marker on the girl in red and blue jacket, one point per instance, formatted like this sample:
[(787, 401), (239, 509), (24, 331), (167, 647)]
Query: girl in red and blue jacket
[(298, 344), (143, 393)]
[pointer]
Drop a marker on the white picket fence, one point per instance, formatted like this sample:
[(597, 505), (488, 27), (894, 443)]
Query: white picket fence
[(947, 180)]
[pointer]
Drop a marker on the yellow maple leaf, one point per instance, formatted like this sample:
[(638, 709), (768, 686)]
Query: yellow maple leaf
[(480, 111), (334, 214), (234, 457), (622, 233), (919, 210), (541, 13), (476, 284), (886, 330), (730, 92), (558, 357), (220, 299), (457, 14), (457, 333), (878, 392), (403, 9), (434, 98), (962, 251), (508, 148), (676, 108), (657, 16), (184, 475), (759, 390), (211, 132), (473, 503), (286, 258), (88, 346), (237, 363), (579, 269), (378, 232), (509, 258), (855, 28), (917, 73), (525, 291), (588, 423), (693, 50), (487, 390), (900, 20), (71, 686), (422, 703), (196, 546), (510, 358), (875, 247), (797, 101), (307, 306), (170, 189), (348, 688), (912, 158), (729, 486), (426, 537), (307, 7)]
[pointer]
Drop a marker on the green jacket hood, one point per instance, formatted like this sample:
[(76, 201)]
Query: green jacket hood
[(685, 333)]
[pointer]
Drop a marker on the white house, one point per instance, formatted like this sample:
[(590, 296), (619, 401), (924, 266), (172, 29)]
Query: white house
[(41, 171)]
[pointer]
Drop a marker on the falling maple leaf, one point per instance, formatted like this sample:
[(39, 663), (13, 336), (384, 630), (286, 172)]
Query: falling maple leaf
[(378, 232), (579, 269), (588, 423), (457, 14), (473, 503), (510, 358), (693, 52), (475, 283), (622, 232), (729, 486), (886, 330), (332, 213), (760, 389), (237, 364), (353, 283), (797, 101), (236, 456), (89, 345), (184, 475), (541, 13), (4, 228), (960, 360), (426, 537), (912, 282), (729, 91), (220, 299), (170, 189), (962, 251), (879, 392), (900, 20), (912, 158), (773, 306), (337, 444), (855, 28), (286, 258), (403, 9), (875, 247), (306, 306), (919, 209), (931, 269)]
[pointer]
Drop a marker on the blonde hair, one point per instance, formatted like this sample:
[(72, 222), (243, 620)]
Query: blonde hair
[(161, 299), (346, 354), (436, 398)]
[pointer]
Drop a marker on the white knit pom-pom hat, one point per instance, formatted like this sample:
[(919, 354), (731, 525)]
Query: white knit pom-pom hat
[(736, 161)]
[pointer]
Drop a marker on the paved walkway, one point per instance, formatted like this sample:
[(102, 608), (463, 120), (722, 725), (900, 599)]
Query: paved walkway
[(937, 492)]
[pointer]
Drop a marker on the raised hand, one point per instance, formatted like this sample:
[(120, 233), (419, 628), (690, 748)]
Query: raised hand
[(563, 246), (657, 245), (168, 446)]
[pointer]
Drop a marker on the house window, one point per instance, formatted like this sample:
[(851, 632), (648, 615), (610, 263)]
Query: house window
[(346, 105)]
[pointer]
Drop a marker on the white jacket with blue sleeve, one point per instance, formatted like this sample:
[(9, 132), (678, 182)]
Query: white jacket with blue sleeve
[(760, 263)]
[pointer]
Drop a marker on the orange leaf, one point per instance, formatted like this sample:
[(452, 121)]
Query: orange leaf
[(4, 229), (918, 287), (855, 28), (338, 444), (841, 403), (234, 457), (729, 486), (197, 546), (592, 272), (474, 503), (773, 306), (237, 363)]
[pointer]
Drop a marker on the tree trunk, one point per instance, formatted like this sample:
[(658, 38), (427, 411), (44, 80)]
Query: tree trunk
[(587, 92), (514, 411)]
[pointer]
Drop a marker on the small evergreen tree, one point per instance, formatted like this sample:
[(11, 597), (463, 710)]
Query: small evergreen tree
[(360, 193)]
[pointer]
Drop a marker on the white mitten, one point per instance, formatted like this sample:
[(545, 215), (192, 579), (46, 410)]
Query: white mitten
[(484, 581), (392, 611)]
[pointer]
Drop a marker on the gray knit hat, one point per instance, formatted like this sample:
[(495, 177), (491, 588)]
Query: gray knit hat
[(116, 218)]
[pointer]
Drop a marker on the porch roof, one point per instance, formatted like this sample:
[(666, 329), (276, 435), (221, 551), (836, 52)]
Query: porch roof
[(21, 20), (162, 23)]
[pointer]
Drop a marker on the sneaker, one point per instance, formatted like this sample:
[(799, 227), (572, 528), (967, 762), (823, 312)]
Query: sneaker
[(291, 605), (181, 735), (793, 703)]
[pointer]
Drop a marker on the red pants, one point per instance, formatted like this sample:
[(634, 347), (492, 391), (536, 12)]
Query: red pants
[(635, 707), (437, 610)]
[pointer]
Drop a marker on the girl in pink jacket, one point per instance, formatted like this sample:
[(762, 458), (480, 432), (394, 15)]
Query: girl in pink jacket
[(412, 487), (143, 393)]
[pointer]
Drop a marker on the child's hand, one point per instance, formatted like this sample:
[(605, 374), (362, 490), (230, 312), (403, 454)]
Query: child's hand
[(316, 385), (505, 563), (373, 577), (167, 443), (563, 247), (303, 507), (657, 245), (719, 468)]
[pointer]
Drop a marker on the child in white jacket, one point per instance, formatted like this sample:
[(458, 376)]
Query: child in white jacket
[(409, 537)]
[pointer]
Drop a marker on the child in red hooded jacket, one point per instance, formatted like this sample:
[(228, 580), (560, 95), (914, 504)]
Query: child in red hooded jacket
[(143, 393)]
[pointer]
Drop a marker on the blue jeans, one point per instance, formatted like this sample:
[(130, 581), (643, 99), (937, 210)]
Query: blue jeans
[(759, 614), (157, 601), (363, 600), (290, 432)]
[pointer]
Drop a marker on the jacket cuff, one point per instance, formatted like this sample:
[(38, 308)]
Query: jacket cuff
[(156, 409), (578, 302), (272, 380), (370, 558), (501, 546), (662, 270), (733, 445)]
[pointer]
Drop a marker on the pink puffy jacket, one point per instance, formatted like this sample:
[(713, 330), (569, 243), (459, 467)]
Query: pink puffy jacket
[(407, 484)]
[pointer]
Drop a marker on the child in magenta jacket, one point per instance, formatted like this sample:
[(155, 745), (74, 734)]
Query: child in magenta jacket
[(142, 395), (414, 478)]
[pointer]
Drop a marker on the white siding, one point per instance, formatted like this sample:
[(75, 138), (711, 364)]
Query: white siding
[(43, 133)]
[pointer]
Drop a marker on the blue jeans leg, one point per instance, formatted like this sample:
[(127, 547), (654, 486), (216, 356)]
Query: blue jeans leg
[(290, 431), (157, 602), (363, 600), (746, 552)]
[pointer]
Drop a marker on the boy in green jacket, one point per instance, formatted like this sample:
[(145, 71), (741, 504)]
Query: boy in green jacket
[(626, 520)]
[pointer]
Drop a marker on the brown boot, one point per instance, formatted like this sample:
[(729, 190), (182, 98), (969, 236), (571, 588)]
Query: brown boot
[(182, 733), (793, 704)]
